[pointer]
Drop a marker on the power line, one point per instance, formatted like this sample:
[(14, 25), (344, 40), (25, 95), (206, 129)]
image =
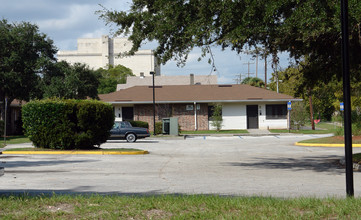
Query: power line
[(248, 63)]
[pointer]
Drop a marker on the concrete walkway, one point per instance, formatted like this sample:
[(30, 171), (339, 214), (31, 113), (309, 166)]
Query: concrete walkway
[(260, 132)]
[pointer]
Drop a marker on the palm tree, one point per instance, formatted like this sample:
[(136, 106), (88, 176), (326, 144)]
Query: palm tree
[(253, 81)]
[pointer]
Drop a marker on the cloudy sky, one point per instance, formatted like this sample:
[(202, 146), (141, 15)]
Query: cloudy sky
[(67, 20)]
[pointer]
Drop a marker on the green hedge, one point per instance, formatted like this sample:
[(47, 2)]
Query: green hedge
[(158, 128), (67, 124), (140, 124)]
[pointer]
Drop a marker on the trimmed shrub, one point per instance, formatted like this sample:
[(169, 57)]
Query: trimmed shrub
[(140, 124), (299, 116), (158, 127), (67, 124)]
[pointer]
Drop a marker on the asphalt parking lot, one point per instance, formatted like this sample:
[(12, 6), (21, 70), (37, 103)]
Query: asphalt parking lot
[(236, 165)]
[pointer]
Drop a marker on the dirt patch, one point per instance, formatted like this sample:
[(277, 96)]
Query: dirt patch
[(61, 208), (157, 214)]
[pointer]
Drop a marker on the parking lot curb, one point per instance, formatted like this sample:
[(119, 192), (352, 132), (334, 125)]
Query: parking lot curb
[(324, 145), (79, 152)]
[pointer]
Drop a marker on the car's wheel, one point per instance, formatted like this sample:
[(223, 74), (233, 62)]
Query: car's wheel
[(131, 137)]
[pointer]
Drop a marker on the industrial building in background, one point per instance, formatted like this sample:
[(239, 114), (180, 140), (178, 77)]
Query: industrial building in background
[(105, 51)]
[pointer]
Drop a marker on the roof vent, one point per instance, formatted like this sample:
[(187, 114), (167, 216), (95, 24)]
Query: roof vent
[(224, 85)]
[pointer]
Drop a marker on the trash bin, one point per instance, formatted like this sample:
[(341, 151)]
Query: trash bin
[(165, 125)]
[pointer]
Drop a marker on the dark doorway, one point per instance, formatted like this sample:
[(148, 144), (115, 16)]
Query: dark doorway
[(127, 114), (252, 116)]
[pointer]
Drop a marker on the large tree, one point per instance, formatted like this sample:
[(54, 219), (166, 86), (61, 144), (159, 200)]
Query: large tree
[(303, 28), (63, 80), (253, 81), (24, 52), (321, 95), (110, 77)]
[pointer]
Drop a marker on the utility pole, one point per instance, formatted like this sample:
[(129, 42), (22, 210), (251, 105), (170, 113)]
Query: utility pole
[(276, 72), (257, 65), (238, 79), (153, 74), (265, 71), (248, 63)]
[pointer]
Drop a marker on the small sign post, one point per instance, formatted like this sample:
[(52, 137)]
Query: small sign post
[(289, 108), (342, 108)]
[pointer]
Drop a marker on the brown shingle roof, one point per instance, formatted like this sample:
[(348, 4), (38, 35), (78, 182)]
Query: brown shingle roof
[(194, 93)]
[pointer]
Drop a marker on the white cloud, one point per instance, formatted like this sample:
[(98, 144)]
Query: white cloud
[(77, 15)]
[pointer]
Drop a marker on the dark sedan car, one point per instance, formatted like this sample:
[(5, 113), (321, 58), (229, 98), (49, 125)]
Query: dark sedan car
[(124, 130)]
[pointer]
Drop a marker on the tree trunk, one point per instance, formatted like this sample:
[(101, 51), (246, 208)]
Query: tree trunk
[(8, 116)]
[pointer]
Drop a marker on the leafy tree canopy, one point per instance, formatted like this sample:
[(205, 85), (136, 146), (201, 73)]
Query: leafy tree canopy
[(303, 28), (69, 81), (253, 81), (23, 54), (291, 82), (109, 78)]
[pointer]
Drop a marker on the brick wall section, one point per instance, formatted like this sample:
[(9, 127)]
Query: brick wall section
[(185, 118), (202, 116), (145, 113)]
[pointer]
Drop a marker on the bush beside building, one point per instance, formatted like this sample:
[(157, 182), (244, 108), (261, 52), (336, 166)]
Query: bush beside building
[(67, 124)]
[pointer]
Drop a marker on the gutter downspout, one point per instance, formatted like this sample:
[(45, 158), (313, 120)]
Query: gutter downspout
[(195, 117)]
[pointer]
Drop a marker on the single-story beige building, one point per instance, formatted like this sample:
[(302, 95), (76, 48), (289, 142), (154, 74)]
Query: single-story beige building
[(243, 106)]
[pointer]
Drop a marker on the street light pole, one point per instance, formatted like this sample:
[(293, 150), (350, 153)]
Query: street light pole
[(347, 99), (6, 107), (153, 73)]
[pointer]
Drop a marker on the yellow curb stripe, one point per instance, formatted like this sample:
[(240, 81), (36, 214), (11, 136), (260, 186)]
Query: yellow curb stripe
[(79, 152), (324, 145)]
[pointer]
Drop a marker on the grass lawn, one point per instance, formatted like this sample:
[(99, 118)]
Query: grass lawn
[(175, 207), (333, 140), (14, 140), (300, 131), (321, 128), (215, 132)]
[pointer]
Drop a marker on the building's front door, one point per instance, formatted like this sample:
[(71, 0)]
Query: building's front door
[(252, 116), (127, 114)]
